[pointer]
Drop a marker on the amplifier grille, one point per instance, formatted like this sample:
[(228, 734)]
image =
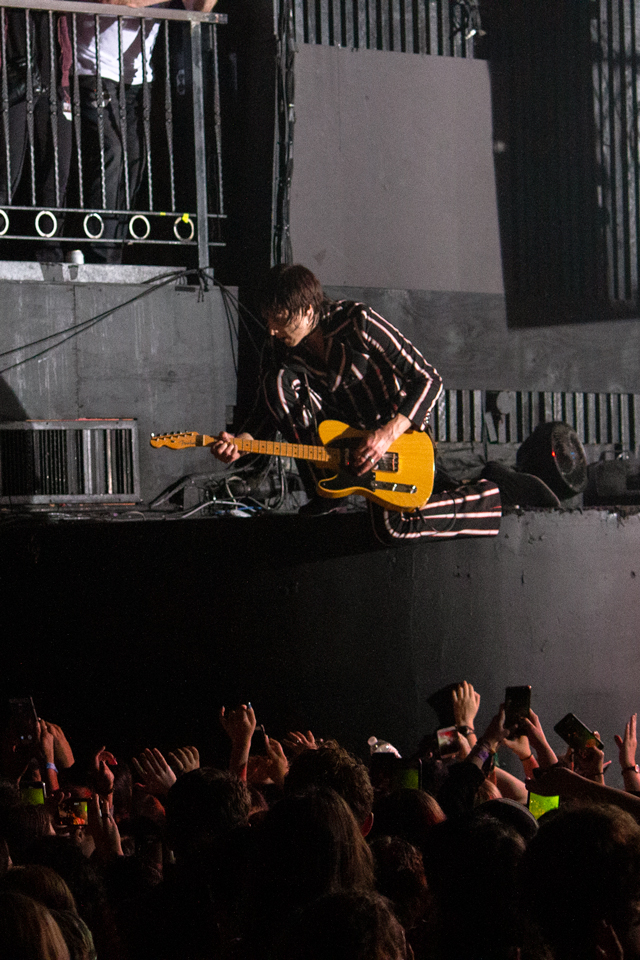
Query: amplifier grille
[(70, 461)]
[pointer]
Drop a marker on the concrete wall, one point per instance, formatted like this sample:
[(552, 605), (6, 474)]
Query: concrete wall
[(468, 339), (165, 360), (317, 627)]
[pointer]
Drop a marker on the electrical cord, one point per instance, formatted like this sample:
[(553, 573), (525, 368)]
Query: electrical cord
[(68, 333)]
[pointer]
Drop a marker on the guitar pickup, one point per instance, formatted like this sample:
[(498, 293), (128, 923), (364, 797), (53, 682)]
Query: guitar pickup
[(394, 487)]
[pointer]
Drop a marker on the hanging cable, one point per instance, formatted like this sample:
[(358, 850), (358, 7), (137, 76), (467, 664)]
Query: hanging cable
[(68, 333)]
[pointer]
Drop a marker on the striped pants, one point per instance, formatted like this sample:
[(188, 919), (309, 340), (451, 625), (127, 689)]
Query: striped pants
[(471, 510)]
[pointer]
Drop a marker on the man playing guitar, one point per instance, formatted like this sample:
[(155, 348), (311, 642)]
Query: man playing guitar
[(327, 359)]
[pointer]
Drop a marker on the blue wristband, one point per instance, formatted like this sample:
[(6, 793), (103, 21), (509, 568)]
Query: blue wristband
[(52, 766)]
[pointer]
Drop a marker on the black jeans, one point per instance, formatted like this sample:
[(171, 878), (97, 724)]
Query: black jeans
[(106, 167)]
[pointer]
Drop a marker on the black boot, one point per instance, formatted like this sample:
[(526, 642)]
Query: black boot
[(519, 489)]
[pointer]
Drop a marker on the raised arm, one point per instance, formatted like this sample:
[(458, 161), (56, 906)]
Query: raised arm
[(466, 703), (536, 736), (239, 725), (559, 781), (627, 747)]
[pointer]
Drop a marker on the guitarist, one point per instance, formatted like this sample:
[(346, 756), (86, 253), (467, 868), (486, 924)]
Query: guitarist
[(341, 360)]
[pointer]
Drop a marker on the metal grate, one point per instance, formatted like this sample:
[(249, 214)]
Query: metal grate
[(475, 416), (616, 39), (69, 461), (439, 27)]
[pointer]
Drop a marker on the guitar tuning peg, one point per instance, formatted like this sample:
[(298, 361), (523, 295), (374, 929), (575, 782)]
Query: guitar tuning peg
[(153, 435)]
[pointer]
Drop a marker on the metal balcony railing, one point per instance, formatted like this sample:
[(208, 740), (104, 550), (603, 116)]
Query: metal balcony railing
[(110, 127)]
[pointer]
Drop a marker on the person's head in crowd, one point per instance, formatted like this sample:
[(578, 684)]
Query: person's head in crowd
[(122, 791), (42, 884), (348, 925), (481, 855), (28, 931), (310, 844), (580, 880), (511, 812), (333, 766), (405, 813), (76, 933), (21, 825), (48, 888), (399, 874), (486, 791), (202, 806), (63, 856)]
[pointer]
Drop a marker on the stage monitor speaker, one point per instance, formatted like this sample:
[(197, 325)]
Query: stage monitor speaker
[(554, 453)]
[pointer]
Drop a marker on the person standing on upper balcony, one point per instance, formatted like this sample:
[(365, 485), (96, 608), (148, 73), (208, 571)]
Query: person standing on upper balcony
[(114, 155)]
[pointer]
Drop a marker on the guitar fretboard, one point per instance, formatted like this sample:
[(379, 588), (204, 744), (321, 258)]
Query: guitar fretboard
[(301, 451)]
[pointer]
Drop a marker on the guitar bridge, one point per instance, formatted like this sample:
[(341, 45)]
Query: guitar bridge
[(393, 487)]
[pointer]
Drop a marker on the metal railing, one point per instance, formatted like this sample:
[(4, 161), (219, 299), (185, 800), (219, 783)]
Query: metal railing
[(110, 126)]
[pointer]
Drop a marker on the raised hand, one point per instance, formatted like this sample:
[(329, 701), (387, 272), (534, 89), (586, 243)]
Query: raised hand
[(103, 829), (239, 723), (63, 753), (103, 777), (590, 763), (628, 744), (46, 741), (466, 703), (519, 745), (496, 732), (184, 760), (270, 768), (532, 727), (154, 771), (297, 742)]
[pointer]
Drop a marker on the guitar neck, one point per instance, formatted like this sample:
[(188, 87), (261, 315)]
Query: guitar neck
[(300, 451)]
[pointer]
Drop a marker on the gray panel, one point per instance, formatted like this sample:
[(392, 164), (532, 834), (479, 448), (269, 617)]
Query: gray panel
[(393, 181)]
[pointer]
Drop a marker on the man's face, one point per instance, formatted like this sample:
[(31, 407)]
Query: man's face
[(291, 329)]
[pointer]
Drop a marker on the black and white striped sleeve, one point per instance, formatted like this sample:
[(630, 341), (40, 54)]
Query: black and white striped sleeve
[(418, 383)]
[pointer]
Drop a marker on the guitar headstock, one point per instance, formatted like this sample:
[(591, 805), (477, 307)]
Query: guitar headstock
[(175, 441)]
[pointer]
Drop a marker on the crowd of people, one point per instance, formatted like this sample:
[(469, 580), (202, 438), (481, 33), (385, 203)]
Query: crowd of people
[(301, 851)]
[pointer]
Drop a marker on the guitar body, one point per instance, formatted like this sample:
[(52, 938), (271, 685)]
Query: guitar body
[(405, 481)]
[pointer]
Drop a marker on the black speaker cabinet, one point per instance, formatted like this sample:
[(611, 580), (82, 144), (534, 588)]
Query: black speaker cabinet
[(554, 453)]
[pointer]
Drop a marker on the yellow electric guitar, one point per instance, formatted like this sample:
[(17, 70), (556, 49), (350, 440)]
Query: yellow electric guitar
[(402, 479)]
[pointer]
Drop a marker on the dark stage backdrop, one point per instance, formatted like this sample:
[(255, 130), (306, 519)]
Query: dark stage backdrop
[(134, 635)]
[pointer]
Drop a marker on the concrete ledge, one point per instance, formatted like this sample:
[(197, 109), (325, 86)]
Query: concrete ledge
[(32, 271)]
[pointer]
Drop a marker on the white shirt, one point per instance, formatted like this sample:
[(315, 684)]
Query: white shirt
[(109, 47)]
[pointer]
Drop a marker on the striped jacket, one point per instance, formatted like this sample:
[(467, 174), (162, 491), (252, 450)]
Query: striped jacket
[(371, 372)]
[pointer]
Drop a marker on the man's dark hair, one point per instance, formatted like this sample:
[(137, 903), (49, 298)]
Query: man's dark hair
[(333, 766), (288, 290), (204, 805)]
